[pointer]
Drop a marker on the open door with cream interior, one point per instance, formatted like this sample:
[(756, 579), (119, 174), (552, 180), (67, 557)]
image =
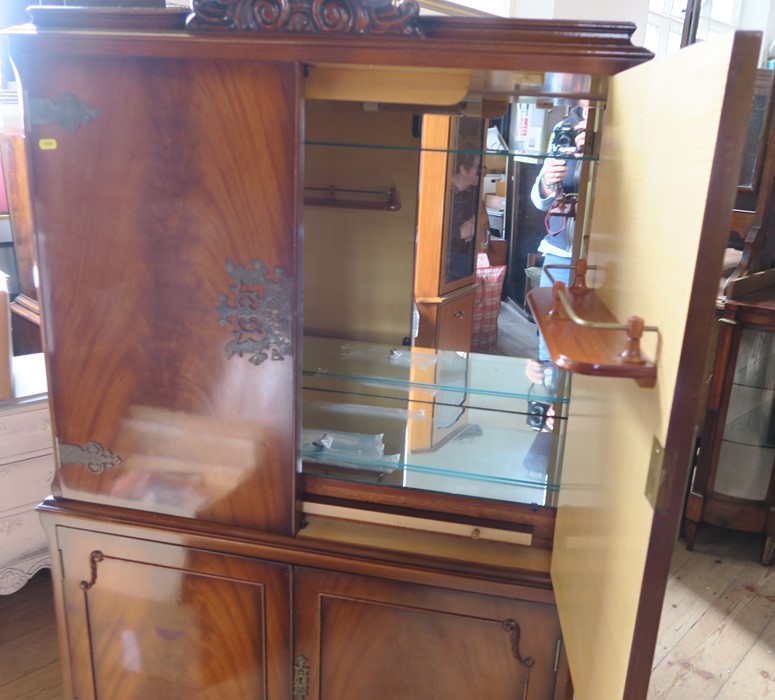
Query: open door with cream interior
[(660, 223)]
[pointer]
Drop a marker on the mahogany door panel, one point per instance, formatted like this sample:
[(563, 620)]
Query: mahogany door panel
[(166, 232), (149, 620), (358, 637)]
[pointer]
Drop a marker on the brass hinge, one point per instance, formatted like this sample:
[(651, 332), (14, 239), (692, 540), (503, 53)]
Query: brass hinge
[(93, 456), (300, 678), (67, 111), (661, 465)]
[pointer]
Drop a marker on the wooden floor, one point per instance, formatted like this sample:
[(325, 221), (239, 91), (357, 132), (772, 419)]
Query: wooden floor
[(717, 632), (517, 337), (29, 655), (717, 635)]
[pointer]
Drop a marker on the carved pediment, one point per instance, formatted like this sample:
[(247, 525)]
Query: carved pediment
[(358, 17)]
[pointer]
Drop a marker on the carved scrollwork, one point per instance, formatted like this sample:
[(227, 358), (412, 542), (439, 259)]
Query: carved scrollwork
[(9, 525), (259, 310), (96, 458), (15, 576), (381, 17)]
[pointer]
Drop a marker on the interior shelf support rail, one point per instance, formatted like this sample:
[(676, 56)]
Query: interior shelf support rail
[(329, 198)]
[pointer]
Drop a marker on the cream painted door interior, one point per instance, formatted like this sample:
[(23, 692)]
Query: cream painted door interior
[(666, 180)]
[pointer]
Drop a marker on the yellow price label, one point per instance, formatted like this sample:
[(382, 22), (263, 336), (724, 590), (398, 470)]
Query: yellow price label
[(47, 144)]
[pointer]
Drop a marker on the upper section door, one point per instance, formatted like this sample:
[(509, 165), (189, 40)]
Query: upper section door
[(166, 240), (666, 183)]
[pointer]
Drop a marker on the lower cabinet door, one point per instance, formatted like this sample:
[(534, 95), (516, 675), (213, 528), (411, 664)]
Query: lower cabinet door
[(362, 638), (456, 322), (151, 621)]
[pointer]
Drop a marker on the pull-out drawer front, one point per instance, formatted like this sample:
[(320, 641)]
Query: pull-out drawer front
[(25, 482), (21, 534), (25, 430)]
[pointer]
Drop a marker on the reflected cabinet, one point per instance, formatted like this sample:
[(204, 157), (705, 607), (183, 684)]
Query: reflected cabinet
[(273, 480)]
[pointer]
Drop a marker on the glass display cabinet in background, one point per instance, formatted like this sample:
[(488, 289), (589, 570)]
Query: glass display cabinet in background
[(733, 483)]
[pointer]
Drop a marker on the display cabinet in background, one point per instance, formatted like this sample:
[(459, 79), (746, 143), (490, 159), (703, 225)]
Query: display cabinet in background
[(733, 484)]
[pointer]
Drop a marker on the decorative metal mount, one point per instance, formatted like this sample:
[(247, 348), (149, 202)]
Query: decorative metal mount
[(260, 311), (527, 662), (67, 111), (96, 458), (512, 626), (300, 678), (94, 558), (359, 17)]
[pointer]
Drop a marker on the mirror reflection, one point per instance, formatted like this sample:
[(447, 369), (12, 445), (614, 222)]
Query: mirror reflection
[(423, 367)]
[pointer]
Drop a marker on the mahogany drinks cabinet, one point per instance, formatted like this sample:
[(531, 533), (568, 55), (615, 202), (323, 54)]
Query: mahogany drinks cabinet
[(260, 492)]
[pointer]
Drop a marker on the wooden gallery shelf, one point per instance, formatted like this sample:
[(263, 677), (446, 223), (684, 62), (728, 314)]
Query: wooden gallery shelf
[(596, 343)]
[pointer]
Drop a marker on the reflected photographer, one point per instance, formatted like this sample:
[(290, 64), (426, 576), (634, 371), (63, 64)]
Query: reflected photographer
[(555, 192)]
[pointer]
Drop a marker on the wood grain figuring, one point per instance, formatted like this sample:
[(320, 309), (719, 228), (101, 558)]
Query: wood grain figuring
[(146, 263), (162, 619), (720, 578), (370, 638), (608, 540)]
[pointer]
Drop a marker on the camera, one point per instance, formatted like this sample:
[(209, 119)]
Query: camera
[(564, 140), (536, 414)]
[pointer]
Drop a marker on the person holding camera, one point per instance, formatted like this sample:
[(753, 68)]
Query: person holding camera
[(555, 191)]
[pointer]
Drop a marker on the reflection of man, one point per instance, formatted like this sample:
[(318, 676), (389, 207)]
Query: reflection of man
[(465, 204), (558, 178)]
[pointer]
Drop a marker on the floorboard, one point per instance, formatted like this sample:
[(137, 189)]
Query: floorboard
[(29, 655), (717, 631)]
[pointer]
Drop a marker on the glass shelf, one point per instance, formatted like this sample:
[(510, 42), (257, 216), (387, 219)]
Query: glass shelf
[(376, 368), (487, 454), (523, 156), (374, 414)]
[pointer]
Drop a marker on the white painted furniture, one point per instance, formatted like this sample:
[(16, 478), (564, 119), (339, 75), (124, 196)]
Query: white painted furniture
[(26, 471)]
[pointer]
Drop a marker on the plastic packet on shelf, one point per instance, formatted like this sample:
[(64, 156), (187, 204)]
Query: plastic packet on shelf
[(343, 443)]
